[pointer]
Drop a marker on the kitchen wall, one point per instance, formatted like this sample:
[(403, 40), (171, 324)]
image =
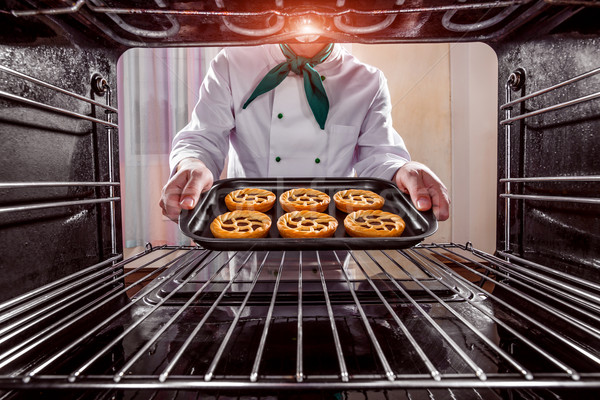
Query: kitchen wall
[(474, 103), (444, 106)]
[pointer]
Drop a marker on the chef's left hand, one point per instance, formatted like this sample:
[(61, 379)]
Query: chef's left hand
[(425, 189)]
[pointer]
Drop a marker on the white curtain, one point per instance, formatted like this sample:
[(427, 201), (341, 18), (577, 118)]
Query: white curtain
[(157, 89)]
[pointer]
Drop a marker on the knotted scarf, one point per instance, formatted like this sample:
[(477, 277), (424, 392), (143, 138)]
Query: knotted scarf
[(313, 86)]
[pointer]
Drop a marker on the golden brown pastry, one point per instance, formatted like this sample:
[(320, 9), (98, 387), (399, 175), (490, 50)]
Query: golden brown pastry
[(306, 224), (374, 223), (304, 199), (355, 200), (250, 199), (241, 224)]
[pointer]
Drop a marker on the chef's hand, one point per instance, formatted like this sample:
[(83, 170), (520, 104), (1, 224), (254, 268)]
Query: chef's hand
[(425, 189), (184, 188)]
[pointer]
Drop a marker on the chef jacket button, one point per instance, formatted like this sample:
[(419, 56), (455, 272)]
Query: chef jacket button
[(322, 77), (280, 115), (277, 159), (317, 160)]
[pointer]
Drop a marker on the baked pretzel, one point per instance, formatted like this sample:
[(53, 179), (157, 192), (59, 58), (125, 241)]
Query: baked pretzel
[(241, 224), (355, 199), (374, 223), (306, 224), (304, 199), (250, 199)]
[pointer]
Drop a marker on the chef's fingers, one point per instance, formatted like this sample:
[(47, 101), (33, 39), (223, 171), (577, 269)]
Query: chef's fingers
[(439, 197), (198, 182), (171, 193), (183, 190), (409, 179), (425, 188)]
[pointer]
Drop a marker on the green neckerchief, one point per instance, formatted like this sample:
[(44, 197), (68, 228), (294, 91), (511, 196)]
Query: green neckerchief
[(313, 86)]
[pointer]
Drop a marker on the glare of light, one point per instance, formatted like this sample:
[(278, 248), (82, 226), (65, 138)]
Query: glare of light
[(307, 29)]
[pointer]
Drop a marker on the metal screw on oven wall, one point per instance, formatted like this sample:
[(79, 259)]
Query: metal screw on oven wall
[(99, 85), (516, 79)]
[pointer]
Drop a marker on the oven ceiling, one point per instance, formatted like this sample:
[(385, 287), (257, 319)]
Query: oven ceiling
[(162, 23)]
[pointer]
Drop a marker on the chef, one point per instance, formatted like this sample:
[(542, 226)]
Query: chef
[(293, 110)]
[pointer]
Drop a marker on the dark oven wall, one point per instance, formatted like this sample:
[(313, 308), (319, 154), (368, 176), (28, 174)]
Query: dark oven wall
[(41, 243), (564, 235)]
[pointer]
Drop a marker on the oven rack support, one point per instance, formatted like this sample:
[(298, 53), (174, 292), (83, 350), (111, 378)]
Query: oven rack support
[(426, 292), (100, 87), (60, 90), (516, 81)]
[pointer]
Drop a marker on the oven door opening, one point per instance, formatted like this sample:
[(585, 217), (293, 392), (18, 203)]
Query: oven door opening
[(102, 298)]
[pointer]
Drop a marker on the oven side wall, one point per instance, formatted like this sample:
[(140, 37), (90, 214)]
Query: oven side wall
[(561, 234), (38, 246)]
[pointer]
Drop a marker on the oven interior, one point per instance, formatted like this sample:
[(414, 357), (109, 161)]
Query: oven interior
[(434, 321)]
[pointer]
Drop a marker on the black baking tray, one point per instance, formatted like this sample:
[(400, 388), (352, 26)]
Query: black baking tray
[(196, 223)]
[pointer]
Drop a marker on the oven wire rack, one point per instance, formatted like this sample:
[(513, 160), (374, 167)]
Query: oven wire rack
[(434, 316)]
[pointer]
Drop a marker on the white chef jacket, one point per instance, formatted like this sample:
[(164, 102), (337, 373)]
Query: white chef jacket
[(277, 134)]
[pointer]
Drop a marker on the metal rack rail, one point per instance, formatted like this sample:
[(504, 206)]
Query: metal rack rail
[(60, 110), (514, 82), (433, 316), (99, 86)]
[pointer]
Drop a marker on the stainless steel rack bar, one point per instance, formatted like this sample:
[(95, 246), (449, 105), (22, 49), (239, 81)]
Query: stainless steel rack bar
[(515, 364), (569, 286), (546, 270), (578, 296), (515, 81), (57, 286), (218, 356), (163, 376), (435, 374), (543, 306), (57, 88), (510, 103), (39, 206), (59, 110), (187, 259), (300, 344), (498, 321), (30, 320), (131, 327), (100, 86), (263, 337), (334, 330), (558, 199), (566, 82), (380, 354), (511, 81), (352, 288), (554, 107), (110, 139), (591, 178), (10, 96), (44, 307), (25, 185), (41, 337), (479, 373)]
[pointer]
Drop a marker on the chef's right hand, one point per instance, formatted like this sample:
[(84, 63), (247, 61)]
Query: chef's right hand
[(184, 188)]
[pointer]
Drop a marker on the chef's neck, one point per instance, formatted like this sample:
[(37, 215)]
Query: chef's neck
[(307, 50)]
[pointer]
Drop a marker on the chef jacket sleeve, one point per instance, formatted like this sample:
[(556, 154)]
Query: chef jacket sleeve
[(381, 150), (206, 136)]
